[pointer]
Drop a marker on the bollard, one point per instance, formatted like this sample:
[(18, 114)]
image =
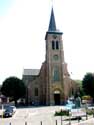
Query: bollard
[(86, 116), (10, 123), (41, 123), (93, 112), (70, 117), (69, 122), (61, 120), (56, 122), (25, 123), (78, 119)]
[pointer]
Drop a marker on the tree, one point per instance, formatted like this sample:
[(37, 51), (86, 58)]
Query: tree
[(79, 84), (14, 88), (88, 84)]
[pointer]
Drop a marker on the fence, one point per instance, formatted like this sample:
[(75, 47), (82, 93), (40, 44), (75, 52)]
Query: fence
[(58, 121)]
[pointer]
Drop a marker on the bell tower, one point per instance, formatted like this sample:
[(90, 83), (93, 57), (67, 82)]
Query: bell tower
[(54, 64)]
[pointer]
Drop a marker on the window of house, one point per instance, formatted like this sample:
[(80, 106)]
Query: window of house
[(36, 91)]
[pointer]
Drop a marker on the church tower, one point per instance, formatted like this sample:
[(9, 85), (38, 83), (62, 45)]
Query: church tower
[(51, 84), (54, 63)]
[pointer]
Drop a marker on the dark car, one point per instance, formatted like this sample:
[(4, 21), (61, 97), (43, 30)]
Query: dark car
[(8, 113)]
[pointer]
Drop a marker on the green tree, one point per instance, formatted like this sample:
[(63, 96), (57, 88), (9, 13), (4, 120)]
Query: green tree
[(88, 84), (13, 88), (79, 84)]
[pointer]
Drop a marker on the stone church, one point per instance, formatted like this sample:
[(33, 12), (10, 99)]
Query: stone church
[(50, 85)]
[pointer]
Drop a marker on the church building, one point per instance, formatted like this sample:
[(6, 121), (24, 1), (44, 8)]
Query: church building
[(50, 85)]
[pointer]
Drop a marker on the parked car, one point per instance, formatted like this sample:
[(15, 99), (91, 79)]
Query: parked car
[(8, 113), (13, 108), (6, 107), (3, 107)]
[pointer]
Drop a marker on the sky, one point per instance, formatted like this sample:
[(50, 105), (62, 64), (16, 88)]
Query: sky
[(23, 25)]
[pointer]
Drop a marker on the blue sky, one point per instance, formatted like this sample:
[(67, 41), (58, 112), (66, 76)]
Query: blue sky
[(23, 24)]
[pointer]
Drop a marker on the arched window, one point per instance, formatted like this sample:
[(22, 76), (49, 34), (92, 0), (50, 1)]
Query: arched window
[(53, 44), (57, 45), (36, 91), (55, 57), (56, 74)]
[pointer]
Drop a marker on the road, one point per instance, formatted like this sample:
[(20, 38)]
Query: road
[(37, 116)]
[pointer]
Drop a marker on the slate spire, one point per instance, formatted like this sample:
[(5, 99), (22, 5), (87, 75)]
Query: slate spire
[(52, 24)]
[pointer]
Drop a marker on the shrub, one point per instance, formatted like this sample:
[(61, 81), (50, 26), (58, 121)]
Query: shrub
[(90, 111), (86, 97), (62, 113)]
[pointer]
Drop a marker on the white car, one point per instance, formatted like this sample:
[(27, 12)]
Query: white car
[(13, 108), (7, 107)]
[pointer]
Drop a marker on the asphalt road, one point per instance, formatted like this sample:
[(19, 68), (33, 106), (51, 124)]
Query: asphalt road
[(38, 116)]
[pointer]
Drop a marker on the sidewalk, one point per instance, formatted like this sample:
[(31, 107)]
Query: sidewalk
[(86, 122)]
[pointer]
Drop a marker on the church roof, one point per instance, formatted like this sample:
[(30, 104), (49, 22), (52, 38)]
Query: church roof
[(33, 72), (52, 24)]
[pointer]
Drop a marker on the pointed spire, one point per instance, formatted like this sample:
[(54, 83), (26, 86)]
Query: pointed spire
[(52, 24)]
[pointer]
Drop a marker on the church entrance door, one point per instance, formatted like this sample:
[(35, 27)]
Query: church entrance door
[(57, 97)]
